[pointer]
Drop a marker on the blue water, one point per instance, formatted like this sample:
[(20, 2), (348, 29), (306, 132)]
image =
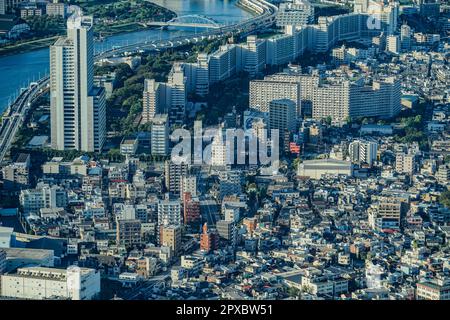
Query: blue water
[(17, 70)]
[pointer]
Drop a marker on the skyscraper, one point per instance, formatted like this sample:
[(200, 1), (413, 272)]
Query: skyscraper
[(77, 108)]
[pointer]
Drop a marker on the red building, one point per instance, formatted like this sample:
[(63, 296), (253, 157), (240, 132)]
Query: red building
[(209, 240), (191, 209)]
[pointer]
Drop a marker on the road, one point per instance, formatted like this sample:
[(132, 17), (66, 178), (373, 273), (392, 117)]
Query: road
[(15, 114)]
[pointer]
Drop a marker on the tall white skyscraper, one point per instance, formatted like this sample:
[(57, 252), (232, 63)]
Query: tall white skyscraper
[(77, 108)]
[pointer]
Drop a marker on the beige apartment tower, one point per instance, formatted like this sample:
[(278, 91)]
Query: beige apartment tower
[(77, 108)]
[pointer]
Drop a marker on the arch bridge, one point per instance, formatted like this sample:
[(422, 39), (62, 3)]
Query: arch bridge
[(193, 21)]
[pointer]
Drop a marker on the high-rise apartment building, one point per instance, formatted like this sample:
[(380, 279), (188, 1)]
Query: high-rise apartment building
[(77, 107), (174, 173), (154, 93), (223, 63), (169, 212), (363, 151), (262, 92), (171, 237), (252, 54), (128, 232), (191, 208), (295, 13), (159, 139)]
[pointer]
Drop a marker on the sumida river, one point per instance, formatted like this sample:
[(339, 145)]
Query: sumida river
[(19, 69)]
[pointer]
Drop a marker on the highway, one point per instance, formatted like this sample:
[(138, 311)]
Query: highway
[(14, 117)]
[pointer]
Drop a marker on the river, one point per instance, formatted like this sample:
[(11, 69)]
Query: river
[(19, 69)]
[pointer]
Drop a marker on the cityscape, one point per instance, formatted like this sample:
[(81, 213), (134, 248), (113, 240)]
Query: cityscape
[(234, 150)]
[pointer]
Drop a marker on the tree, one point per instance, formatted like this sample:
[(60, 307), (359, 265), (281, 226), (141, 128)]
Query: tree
[(444, 198)]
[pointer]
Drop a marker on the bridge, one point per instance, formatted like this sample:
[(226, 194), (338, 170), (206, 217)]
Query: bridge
[(187, 21)]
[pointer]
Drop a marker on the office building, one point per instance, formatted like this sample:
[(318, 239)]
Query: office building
[(282, 117), (38, 283), (77, 108), (160, 135), (405, 37), (176, 94), (218, 150)]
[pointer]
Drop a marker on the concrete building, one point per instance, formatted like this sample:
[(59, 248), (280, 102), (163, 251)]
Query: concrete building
[(174, 174), (227, 231), (363, 152), (128, 232), (315, 169), (160, 135), (283, 117), (43, 196), (39, 283), (191, 209), (252, 54), (171, 237), (16, 176), (56, 8), (6, 234), (262, 92), (223, 63), (169, 213), (77, 108), (188, 184), (24, 257), (437, 290), (393, 44), (295, 13), (8, 6), (152, 99), (405, 163)]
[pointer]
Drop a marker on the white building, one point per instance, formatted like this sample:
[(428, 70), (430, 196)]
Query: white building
[(77, 108), (169, 213), (160, 135), (223, 63), (295, 13), (43, 196), (363, 151), (39, 283)]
